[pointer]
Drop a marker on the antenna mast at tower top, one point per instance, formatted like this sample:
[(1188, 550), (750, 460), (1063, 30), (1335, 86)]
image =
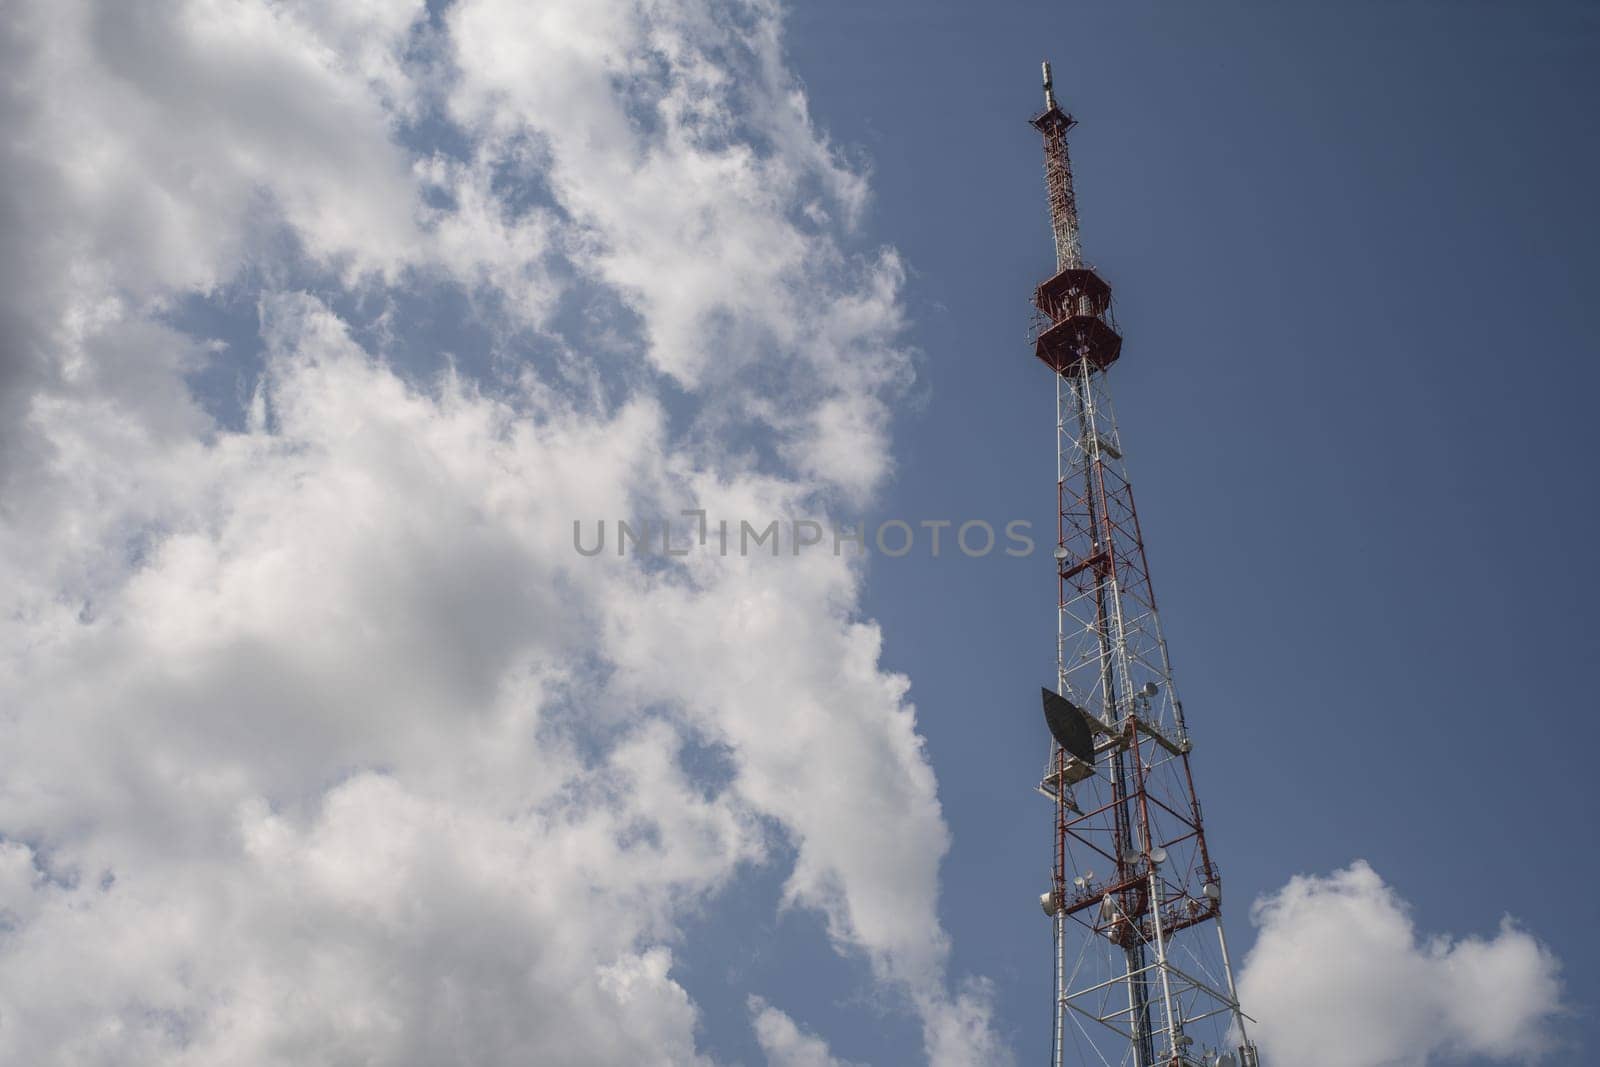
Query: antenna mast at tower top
[(1142, 975), (1054, 124)]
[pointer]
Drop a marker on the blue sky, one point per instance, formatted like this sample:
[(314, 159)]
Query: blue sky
[(322, 324), (1351, 252)]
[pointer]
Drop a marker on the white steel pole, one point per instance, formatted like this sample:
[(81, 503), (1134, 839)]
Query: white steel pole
[(1161, 955)]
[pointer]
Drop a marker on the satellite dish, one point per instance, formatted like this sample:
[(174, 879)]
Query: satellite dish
[(1212, 890), (1061, 552), (1069, 725), (1158, 856), (1148, 690), (1088, 876)]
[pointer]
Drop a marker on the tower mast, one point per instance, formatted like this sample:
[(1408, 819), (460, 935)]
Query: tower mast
[(1141, 979)]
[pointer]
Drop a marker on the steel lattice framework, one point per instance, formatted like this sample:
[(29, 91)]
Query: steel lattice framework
[(1142, 974)]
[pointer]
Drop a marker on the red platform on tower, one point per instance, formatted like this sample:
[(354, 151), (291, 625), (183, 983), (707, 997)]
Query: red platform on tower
[(1074, 302)]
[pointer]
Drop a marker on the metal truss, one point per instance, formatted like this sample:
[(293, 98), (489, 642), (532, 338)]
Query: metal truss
[(1133, 884)]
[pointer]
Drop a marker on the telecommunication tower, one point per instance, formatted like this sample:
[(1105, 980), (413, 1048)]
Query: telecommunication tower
[(1142, 975)]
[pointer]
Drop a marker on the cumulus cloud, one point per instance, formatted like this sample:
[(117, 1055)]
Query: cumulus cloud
[(1340, 976), (312, 746), (786, 1044)]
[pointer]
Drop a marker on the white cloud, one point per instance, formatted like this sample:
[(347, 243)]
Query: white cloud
[(310, 743), (1339, 976), (317, 742), (784, 1043), (696, 183)]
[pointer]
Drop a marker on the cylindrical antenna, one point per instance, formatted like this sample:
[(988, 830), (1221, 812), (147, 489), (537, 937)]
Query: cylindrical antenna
[(1049, 88)]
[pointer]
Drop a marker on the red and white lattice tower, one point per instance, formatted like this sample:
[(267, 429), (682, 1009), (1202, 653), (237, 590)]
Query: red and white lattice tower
[(1142, 975)]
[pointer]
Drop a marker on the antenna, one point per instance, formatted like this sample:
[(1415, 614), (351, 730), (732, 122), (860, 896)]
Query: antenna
[(1054, 124), (1120, 786)]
